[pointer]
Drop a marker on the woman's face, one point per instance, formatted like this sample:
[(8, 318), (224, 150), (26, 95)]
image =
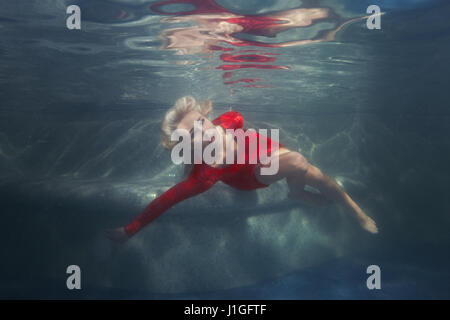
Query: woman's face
[(187, 123)]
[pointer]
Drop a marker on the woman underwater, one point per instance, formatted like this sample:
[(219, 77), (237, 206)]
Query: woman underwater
[(292, 166)]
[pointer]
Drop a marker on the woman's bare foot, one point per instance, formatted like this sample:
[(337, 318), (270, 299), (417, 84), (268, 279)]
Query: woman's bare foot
[(368, 224)]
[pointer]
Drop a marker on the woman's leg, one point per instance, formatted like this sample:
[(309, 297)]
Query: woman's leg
[(330, 189), (293, 166), (298, 173), (289, 163)]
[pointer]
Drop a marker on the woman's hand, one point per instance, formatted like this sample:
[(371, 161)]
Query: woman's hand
[(117, 235)]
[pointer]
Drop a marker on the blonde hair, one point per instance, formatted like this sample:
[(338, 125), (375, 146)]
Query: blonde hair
[(174, 115)]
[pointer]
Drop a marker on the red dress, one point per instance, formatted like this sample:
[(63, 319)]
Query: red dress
[(203, 176)]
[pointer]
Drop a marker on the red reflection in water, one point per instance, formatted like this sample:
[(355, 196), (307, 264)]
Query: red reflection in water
[(246, 58), (216, 26), (242, 80), (254, 66), (248, 50), (254, 50), (219, 48), (257, 86), (257, 25), (227, 75)]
